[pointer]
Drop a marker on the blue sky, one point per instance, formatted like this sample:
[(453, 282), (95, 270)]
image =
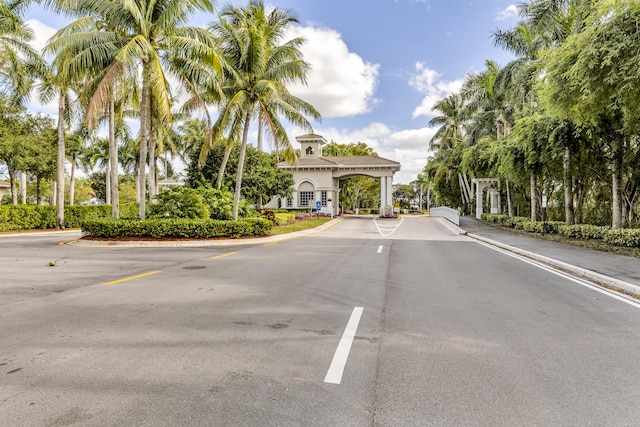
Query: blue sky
[(378, 65)]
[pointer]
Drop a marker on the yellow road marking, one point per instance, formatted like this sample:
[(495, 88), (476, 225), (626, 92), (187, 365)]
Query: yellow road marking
[(126, 279), (279, 241), (224, 255)]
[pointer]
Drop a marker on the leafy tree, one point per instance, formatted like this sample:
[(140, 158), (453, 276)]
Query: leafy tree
[(260, 178), (258, 65), (405, 194), (136, 34), (12, 151), (19, 62), (593, 80)]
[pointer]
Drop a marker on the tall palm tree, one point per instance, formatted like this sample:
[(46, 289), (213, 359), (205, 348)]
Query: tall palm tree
[(141, 34), (19, 62), (451, 121), (58, 82), (258, 65)]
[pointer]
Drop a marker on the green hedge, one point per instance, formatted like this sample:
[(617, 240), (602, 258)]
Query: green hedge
[(547, 227), (626, 237), (176, 228), (33, 217), (506, 220), (583, 231)]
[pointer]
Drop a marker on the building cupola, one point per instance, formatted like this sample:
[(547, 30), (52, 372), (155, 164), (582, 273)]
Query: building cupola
[(311, 145)]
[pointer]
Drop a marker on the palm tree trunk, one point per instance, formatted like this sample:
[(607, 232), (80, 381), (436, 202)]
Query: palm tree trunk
[(113, 158), (12, 184), (568, 188), (533, 181), (223, 165), (243, 150), (144, 117), (152, 165), (60, 165), (72, 182), (38, 190), (107, 181), (616, 187), (509, 203), (23, 188), (260, 124)]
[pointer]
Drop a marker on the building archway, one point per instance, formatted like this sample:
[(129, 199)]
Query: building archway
[(325, 173)]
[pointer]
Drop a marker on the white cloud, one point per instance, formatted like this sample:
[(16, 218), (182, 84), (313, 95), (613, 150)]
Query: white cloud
[(408, 147), (427, 82), (510, 12), (341, 83), (42, 32)]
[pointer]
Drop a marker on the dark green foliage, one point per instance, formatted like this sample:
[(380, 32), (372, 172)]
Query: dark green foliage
[(260, 175), (220, 204), (32, 217), (179, 202), (175, 228)]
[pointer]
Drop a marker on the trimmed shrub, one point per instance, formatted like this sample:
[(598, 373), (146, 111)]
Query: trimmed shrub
[(505, 220), (626, 237), (175, 228), (583, 231), (283, 218), (179, 202), (547, 227), (31, 217)]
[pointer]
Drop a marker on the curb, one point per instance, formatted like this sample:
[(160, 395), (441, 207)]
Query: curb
[(451, 226), (582, 273), (201, 243)]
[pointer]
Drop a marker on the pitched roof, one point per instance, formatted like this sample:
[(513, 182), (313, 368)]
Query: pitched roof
[(4, 184), (340, 161)]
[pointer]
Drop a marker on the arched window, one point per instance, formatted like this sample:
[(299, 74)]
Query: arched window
[(306, 194)]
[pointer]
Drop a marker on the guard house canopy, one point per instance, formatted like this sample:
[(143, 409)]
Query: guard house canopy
[(317, 177)]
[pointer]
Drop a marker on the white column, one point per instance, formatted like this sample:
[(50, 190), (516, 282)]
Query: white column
[(383, 193), (479, 188), (389, 191)]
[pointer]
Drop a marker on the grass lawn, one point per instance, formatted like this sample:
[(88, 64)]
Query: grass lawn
[(299, 225)]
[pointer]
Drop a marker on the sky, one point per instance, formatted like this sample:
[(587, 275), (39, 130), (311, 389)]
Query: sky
[(378, 66)]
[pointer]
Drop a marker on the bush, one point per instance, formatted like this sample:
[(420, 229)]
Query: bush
[(175, 228), (179, 202), (220, 204), (506, 220), (583, 231), (284, 218), (627, 237), (31, 217)]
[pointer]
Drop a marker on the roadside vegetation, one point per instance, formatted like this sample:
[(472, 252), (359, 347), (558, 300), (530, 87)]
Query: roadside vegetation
[(130, 61), (560, 123), (603, 238)]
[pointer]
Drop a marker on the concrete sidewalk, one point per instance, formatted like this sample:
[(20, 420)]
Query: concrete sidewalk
[(618, 271)]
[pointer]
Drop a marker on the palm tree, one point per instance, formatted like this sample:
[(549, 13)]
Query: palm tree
[(141, 34), (546, 24), (74, 146), (258, 65), (19, 62), (451, 121), (58, 82)]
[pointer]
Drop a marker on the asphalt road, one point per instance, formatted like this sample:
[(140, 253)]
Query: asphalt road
[(451, 333)]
